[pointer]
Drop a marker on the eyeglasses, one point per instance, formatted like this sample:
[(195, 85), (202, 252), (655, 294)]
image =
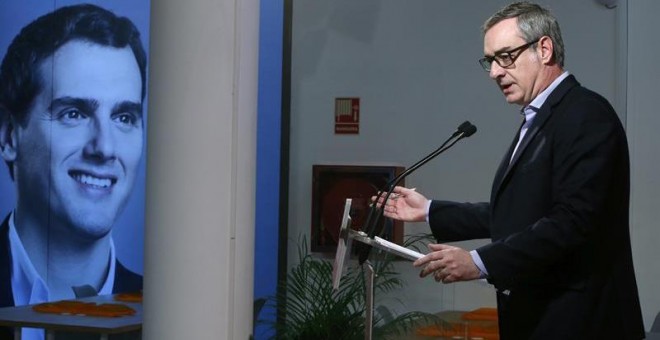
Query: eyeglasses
[(506, 58)]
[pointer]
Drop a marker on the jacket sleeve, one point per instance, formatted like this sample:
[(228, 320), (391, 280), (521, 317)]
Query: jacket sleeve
[(453, 221)]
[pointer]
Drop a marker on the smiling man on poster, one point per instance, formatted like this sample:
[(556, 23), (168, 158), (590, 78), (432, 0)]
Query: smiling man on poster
[(72, 85)]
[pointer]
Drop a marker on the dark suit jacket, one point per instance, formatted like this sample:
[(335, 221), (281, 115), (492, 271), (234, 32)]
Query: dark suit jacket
[(125, 280), (560, 255)]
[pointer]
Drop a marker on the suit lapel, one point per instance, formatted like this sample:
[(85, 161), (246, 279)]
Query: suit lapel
[(539, 121), (502, 169)]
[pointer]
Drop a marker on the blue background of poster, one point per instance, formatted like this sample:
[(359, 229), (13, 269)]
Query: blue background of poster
[(128, 231)]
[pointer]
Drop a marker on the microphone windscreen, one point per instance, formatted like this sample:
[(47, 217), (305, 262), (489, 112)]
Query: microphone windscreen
[(463, 126), (467, 129)]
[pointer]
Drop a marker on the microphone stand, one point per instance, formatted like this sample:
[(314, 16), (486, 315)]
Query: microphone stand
[(346, 237), (371, 225), (367, 241)]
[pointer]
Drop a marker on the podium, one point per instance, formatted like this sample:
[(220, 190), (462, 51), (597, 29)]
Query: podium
[(346, 237)]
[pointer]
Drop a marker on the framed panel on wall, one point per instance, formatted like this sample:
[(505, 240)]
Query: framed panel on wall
[(332, 185)]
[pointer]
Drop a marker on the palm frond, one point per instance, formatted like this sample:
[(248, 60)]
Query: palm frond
[(312, 310)]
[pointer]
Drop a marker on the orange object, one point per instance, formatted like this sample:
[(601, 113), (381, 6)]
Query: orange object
[(484, 313), (111, 310), (446, 331), (477, 324), (129, 297)]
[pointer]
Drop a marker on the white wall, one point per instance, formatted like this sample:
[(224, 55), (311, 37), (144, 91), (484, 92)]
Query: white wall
[(414, 66), (201, 170)]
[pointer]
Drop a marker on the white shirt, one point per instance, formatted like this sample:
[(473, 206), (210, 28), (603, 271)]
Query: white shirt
[(530, 110), (28, 287)]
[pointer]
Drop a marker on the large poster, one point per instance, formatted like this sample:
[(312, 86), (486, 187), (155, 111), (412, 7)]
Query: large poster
[(73, 114)]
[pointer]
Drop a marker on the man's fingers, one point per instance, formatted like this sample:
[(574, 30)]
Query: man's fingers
[(444, 276), (434, 255), (426, 259), (438, 246), (432, 267)]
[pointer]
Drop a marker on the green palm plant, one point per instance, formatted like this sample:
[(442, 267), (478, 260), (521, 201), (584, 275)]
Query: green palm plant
[(311, 309)]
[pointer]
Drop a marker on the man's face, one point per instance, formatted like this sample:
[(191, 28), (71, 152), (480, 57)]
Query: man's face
[(518, 82), (79, 150)]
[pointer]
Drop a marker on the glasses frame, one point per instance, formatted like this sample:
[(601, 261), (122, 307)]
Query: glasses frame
[(505, 58)]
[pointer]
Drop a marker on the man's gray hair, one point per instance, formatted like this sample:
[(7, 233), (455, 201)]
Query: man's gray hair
[(534, 22)]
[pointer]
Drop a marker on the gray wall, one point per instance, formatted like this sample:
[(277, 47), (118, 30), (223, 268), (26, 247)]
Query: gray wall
[(643, 121), (414, 66)]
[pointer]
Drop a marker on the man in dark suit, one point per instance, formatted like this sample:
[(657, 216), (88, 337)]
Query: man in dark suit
[(72, 85), (560, 256)]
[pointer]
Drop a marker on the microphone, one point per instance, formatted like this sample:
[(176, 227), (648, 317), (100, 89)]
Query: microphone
[(466, 129)]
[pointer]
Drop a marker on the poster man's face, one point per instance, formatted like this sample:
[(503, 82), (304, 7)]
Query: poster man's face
[(78, 153)]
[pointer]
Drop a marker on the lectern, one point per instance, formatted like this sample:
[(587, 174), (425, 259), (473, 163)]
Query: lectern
[(346, 237)]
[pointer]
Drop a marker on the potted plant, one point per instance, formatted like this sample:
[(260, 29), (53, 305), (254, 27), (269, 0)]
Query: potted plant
[(309, 308)]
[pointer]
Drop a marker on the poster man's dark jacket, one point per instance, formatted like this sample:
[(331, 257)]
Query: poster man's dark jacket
[(125, 280), (560, 256)]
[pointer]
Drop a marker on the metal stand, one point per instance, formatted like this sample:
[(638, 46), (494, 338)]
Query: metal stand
[(346, 236), (369, 292), (370, 276)]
